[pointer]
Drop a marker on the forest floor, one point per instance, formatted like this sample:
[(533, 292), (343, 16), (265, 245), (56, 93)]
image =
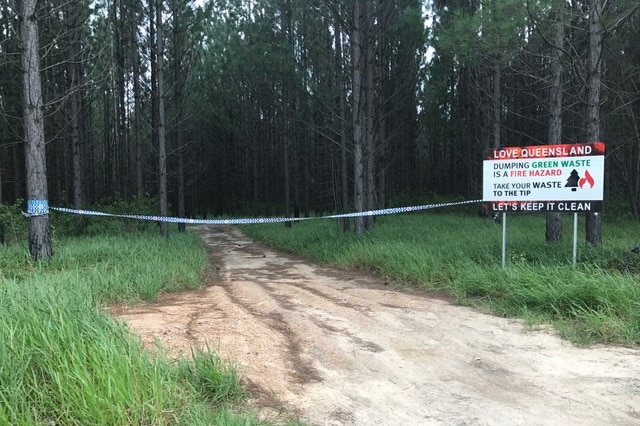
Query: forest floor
[(338, 347)]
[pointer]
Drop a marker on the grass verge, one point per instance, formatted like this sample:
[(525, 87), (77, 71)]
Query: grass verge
[(460, 254), (64, 361)]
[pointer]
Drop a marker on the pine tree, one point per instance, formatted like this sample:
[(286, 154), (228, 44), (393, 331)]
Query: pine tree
[(35, 154)]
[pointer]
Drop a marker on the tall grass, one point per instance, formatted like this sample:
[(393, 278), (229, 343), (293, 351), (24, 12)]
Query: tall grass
[(64, 361), (460, 254), (130, 267)]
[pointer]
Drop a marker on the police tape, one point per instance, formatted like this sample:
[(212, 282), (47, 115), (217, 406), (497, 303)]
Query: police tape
[(37, 208), (248, 221)]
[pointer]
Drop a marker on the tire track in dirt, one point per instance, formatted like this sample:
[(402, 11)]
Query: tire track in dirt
[(342, 348)]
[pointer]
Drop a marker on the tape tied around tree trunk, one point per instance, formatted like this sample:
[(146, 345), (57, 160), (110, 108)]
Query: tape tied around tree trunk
[(37, 207)]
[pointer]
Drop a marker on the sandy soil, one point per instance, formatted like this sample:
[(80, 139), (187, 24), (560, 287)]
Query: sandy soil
[(343, 348)]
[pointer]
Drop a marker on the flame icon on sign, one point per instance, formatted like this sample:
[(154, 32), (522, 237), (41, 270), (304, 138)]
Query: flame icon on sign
[(587, 179)]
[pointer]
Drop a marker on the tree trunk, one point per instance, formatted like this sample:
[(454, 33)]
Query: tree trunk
[(106, 143), (340, 118), (18, 178), (181, 196), (121, 145), (554, 219), (116, 142), (285, 153), (75, 101), (286, 118), (153, 71), (35, 154), (0, 184), (369, 93), (634, 166), (180, 76), (359, 110), (137, 108), (594, 77), (256, 178), (383, 65), (162, 152), (497, 103)]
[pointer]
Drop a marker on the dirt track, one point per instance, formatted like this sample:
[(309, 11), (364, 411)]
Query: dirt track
[(338, 348)]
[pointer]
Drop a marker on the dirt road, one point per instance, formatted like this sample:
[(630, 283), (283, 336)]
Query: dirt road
[(338, 348)]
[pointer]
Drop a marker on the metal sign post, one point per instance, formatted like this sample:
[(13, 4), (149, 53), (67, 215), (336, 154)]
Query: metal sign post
[(504, 239), (575, 237)]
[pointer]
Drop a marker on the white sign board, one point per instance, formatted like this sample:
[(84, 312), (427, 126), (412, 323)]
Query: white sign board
[(559, 178)]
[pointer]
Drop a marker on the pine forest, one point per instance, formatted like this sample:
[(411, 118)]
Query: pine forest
[(306, 107)]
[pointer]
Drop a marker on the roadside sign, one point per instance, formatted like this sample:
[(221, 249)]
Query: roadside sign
[(542, 178)]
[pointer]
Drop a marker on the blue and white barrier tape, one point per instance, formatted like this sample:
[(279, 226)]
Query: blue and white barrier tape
[(247, 221), (397, 210), (176, 219), (37, 208)]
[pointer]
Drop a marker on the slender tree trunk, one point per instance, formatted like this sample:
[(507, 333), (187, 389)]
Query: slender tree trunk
[(18, 179), (181, 189), (115, 142), (594, 77), (497, 104), (554, 219), (153, 69), (107, 189), (285, 153), (75, 100), (340, 124), (5, 14), (1, 224), (370, 137), (121, 146), (137, 108), (286, 96), (381, 124), (162, 152), (2, 156), (634, 167), (359, 110), (256, 179), (0, 183), (179, 83), (35, 154)]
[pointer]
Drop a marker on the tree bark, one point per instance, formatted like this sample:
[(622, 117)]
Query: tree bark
[(594, 79), (359, 110), (370, 137), (153, 71), (634, 165), (554, 220), (285, 153), (162, 151), (340, 118), (497, 103), (121, 174), (0, 184), (286, 116), (137, 129), (18, 178), (180, 76), (35, 154), (74, 71)]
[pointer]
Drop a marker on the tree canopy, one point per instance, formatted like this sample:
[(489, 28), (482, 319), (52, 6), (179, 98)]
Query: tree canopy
[(307, 107)]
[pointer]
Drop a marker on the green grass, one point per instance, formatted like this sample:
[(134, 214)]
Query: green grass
[(460, 254), (64, 361)]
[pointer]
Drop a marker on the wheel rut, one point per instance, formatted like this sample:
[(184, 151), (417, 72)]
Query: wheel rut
[(343, 348)]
